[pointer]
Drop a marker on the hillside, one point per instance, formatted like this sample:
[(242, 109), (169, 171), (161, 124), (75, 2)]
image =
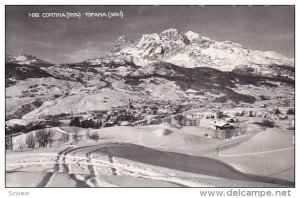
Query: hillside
[(169, 66)]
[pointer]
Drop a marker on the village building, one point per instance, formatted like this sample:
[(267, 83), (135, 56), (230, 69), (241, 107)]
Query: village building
[(223, 129)]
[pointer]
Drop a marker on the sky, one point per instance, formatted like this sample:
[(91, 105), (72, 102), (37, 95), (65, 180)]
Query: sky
[(62, 40)]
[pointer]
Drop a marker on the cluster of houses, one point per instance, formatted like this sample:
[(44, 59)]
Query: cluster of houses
[(159, 112), (131, 115), (134, 115)]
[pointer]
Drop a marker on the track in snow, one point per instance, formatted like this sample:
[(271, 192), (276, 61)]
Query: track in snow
[(186, 163)]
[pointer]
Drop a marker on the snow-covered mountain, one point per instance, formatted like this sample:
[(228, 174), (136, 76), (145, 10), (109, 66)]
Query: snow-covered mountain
[(26, 59), (168, 67), (193, 50)]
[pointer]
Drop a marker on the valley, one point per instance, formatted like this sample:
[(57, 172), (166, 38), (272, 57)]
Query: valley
[(166, 110)]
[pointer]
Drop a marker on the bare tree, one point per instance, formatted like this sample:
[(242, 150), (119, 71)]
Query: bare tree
[(44, 138), (180, 119), (30, 141), (217, 133), (235, 131), (75, 135), (65, 137), (88, 134), (21, 144), (230, 132), (243, 129), (240, 128), (50, 138), (41, 137)]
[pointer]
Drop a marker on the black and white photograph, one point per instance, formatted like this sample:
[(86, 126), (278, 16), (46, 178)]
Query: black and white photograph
[(149, 96)]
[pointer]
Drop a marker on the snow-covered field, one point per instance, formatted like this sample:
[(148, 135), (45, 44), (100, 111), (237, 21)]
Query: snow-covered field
[(154, 156)]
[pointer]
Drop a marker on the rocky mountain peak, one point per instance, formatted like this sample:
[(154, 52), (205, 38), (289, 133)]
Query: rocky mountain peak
[(26, 59), (121, 43), (27, 56), (174, 35), (192, 35)]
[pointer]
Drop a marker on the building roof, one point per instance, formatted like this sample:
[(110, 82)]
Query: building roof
[(220, 123)]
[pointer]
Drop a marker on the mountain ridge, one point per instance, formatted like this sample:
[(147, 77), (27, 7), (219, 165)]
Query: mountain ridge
[(147, 71), (26, 59), (192, 50)]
